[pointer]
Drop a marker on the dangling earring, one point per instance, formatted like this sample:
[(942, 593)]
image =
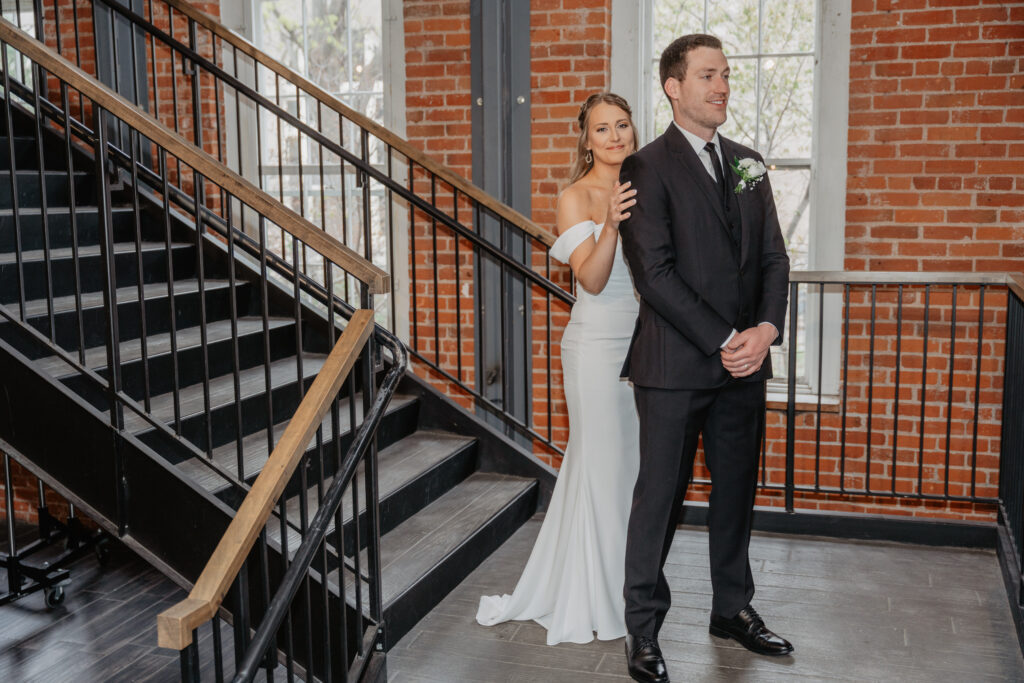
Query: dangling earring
[(589, 158)]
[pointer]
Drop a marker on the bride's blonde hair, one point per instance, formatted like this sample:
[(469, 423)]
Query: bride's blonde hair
[(581, 166)]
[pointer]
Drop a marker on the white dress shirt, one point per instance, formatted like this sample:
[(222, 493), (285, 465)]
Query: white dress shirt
[(698, 144)]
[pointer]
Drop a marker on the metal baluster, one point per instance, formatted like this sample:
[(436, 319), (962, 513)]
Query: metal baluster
[(73, 221), (240, 618), (506, 359), (794, 298), (289, 636), (871, 391), (197, 199), (320, 165), (896, 395), (356, 532), (236, 357), (344, 200), (846, 383), (437, 305), (547, 338), (172, 311), (189, 660), (15, 204), (174, 85), (152, 61), (133, 139), (458, 303), (197, 110), (265, 580), (817, 419), (280, 162), (216, 100), (949, 395), (44, 214), (218, 659), (392, 266), (977, 390), (924, 390), (415, 336), (267, 358)]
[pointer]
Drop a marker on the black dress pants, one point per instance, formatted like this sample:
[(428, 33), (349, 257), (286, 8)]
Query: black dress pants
[(731, 420)]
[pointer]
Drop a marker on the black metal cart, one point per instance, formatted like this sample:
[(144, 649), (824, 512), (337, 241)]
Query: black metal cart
[(24, 541)]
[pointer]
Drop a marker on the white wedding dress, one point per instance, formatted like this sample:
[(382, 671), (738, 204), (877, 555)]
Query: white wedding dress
[(572, 583)]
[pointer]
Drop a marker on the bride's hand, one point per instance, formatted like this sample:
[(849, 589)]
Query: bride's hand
[(621, 199)]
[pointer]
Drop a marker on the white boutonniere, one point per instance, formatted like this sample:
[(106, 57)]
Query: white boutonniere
[(751, 172)]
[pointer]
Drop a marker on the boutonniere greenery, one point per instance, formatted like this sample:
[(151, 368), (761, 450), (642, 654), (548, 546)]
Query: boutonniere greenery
[(751, 172)]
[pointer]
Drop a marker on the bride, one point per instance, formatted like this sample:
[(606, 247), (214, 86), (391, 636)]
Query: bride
[(572, 583)]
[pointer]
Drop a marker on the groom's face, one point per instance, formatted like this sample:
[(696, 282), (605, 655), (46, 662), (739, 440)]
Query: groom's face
[(700, 99)]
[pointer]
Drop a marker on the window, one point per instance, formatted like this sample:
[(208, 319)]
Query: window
[(340, 46), (337, 44)]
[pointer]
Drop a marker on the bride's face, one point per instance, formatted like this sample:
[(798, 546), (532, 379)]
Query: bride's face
[(609, 134)]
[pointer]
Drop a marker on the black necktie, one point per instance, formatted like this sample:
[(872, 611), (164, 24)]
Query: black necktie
[(719, 176)]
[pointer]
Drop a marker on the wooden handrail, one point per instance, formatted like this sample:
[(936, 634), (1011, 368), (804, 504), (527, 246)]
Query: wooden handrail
[(376, 279), (1013, 281), (402, 145), (175, 624)]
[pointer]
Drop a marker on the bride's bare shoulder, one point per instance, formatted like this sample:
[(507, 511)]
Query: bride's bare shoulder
[(573, 207)]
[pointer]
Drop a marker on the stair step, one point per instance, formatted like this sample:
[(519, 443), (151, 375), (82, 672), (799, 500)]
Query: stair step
[(425, 557), (56, 187), (254, 448), (400, 466), (86, 252), (252, 382), (159, 344), (64, 304), (58, 222)]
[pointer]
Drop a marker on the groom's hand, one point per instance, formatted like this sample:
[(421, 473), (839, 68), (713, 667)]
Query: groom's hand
[(746, 351)]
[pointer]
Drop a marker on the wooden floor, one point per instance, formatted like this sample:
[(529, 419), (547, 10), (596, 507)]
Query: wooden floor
[(104, 631), (853, 610)]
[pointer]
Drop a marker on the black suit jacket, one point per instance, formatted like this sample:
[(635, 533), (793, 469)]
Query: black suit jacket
[(695, 283)]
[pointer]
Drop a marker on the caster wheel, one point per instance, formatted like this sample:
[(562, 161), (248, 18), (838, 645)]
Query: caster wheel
[(53, 597), (102, 552)]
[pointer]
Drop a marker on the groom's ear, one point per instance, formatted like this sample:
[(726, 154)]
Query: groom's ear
[(672, 86)]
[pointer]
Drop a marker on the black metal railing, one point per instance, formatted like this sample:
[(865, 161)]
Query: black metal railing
[(895, 396), (143, 268), (320, 615), (478, 276)]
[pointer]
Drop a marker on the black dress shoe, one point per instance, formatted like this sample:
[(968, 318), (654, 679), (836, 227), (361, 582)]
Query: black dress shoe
[(643, 657), (748, 628)]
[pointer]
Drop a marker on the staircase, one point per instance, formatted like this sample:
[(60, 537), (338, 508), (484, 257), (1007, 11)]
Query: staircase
[(160, 436), (451, 489)]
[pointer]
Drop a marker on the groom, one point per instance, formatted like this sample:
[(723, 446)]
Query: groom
[(709, 262)]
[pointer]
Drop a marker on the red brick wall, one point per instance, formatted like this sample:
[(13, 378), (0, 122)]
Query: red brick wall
[(439, 121), (936, 139), (936, 136)]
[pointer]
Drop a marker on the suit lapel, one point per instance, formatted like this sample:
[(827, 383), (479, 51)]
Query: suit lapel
[(682, 150), (729, 152)]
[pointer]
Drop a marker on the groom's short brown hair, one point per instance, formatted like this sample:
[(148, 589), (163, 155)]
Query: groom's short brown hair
[(673, 58)]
